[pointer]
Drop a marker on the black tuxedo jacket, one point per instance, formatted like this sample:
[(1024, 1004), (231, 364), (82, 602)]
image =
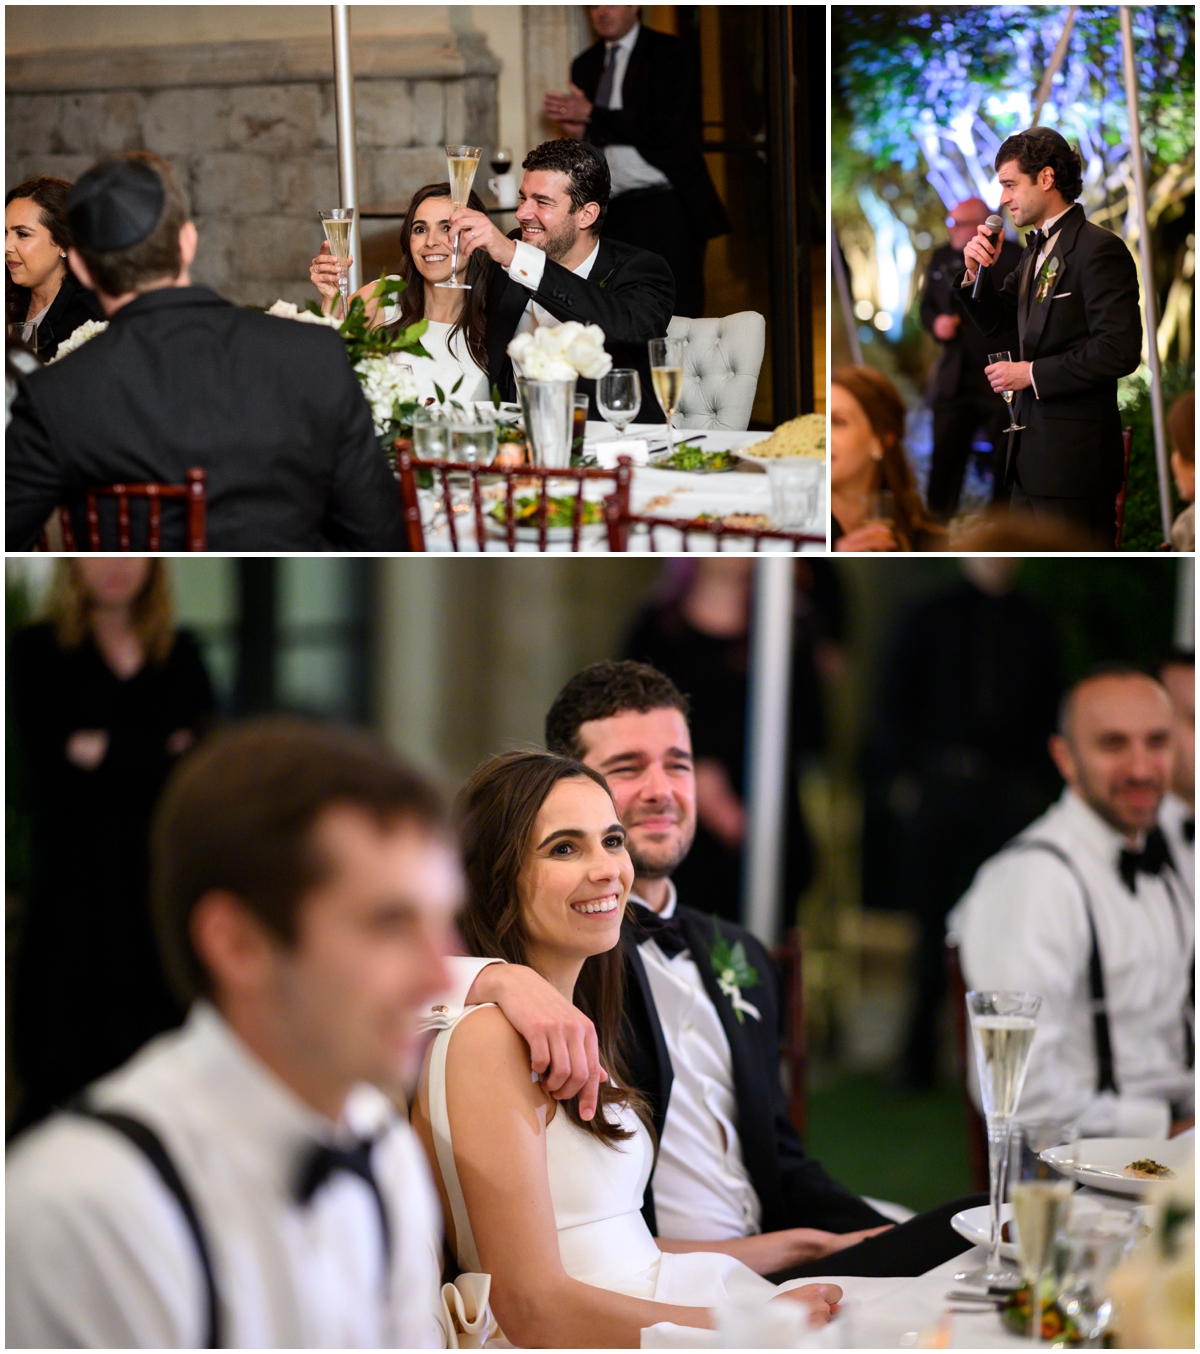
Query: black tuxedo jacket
[(793, 1189), (268, 407), (630, 294), (1084, 335), (961, 360), (74, 305), (660, 119)]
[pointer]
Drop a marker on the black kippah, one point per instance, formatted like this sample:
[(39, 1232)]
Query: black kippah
[(115, 206)]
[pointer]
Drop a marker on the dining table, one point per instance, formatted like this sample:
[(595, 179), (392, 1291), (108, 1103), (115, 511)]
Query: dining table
[(655, 491)]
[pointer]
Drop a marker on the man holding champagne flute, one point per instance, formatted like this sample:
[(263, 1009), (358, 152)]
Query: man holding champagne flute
[(557, 268)]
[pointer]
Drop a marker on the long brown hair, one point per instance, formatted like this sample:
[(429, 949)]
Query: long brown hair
[(496, 812), (472, 319), (50, 194), (884, 408), (70, 609)]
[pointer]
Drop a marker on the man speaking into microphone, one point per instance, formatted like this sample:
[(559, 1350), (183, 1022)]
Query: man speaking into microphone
[(1074, 300)]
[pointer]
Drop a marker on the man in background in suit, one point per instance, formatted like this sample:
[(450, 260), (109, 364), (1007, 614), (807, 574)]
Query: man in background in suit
[(730, 1166), (557, 268), (268, 408), (1075, 303), (960, 395), (635, 93)]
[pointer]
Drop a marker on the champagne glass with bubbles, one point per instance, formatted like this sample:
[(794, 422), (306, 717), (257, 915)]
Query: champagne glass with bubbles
[(666, 372), (1002, 1026), (461, 164), (1041, 1201), (338, 223)]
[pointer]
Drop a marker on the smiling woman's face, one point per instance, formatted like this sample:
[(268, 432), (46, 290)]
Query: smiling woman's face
[(577, 874), (430, 240), (30, 254), (854, 447)]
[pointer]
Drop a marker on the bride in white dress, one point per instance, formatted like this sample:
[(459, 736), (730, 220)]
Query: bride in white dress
[(454, 338), (545, 1203)]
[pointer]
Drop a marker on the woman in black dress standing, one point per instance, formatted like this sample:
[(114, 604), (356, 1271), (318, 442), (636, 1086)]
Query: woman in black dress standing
[(105, 697), (45, 302)]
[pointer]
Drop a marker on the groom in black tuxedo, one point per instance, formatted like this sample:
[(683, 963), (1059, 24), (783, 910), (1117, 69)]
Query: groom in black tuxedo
[(557, 268), (1074, 300), (730, 1163)]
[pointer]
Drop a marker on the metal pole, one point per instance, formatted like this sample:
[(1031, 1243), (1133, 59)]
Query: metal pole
[(1149, 299), (1185, 606), (843, 286), (768, 782), (343, 88)]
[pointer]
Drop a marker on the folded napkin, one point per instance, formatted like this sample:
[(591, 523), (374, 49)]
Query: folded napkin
[(467, 1320)]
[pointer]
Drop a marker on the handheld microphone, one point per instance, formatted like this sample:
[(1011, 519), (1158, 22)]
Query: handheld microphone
[(995, 226)]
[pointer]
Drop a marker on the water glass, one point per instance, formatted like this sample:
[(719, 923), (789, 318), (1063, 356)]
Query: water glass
[(473, 443), (1089, 1250), (431, 435), (619, 397), (795, 491)]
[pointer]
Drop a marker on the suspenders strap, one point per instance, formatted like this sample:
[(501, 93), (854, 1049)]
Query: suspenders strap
[(144, 1138), (1105, 1081)]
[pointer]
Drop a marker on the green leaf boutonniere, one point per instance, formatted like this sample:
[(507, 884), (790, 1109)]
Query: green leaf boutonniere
[(1046, 279), (734, 971)]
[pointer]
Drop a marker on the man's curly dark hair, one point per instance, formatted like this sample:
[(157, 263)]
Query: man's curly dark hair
[(585, 167), (1041, 148), (602, 691)]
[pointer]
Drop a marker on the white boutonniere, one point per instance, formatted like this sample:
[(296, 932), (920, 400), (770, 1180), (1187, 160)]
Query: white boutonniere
[(733, 972), (1046, 278)]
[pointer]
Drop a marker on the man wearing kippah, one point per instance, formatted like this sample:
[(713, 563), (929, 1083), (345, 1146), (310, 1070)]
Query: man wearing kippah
[(1074, 301), (181, 379)]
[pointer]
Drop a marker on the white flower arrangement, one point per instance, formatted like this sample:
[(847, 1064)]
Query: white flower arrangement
[(386, 381), (559, 352), (288, 310), (88, 330)]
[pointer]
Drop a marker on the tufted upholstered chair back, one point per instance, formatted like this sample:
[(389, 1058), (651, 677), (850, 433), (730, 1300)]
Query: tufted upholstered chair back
[(720, 369)]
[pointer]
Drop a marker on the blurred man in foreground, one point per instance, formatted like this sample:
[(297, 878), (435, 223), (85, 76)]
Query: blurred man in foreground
[(1093, 876), (240, 1181), (960, 396)]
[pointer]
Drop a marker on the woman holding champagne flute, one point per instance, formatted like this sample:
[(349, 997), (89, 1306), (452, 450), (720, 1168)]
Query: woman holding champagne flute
[(455, 335)]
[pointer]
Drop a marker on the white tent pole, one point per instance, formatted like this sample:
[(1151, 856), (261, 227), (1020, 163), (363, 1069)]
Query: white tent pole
[(768, 782), (1148, 297), (1185, 606), (343, 87)]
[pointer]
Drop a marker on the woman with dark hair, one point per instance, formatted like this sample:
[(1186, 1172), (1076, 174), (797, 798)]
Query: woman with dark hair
[(546, 1203), (105, 696), (455, 334), (45, 302), (873, 498)]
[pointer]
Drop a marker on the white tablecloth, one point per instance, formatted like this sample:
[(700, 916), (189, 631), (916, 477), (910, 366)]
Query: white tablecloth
[(661, 493)]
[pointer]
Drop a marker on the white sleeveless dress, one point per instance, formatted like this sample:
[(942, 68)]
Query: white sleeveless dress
[(597, 1194)]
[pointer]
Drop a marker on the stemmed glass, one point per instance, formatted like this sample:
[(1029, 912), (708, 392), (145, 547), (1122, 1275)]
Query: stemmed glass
[(619, 397), (461, 164), (1002, 1026), (338, 222), (1041, 1206), (501, 161), (666, 371), (1013, 427)]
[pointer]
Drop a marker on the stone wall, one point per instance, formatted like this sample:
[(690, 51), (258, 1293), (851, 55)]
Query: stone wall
[(251, 131)]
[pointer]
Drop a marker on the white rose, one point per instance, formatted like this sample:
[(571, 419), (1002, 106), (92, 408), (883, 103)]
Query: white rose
[(384, 381), (286, 310), (87, 330), (586, 353), (540, 366)]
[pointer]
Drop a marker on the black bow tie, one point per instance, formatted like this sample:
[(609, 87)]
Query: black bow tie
[(322, 1161), (1037, 238), (1189, 829), (1149, 860), (666, 932)]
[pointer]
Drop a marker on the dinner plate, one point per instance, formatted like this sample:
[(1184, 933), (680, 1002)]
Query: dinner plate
[(1101, 1162), (658, 458), (763, 461), (591, 532), (975, 1225)]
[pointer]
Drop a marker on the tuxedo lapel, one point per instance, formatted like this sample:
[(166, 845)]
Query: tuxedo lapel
[(507, 301), (1027, 264), (1039, 311), (755, 1099), (649, 1062)]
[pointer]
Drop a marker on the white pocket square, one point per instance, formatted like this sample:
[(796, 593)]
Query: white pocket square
[(1060, 296)]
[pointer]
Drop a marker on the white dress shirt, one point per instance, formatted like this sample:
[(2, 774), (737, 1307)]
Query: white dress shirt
[(527, 267), (627, 167), (1022, 927), (1043, 255), (99, 1255), (702, 1190), (1171, 818)]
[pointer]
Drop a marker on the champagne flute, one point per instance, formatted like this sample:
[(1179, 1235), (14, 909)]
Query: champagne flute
[(461, 164), (666, 372), (1041, 1208), (338, 222), (619, 397), (1002, 1026), (1013, 427)]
